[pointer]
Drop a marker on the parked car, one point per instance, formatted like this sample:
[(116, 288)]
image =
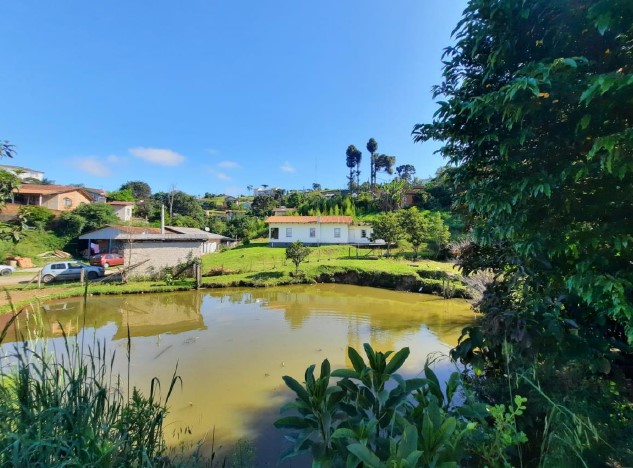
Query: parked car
[(6, 270), (107, 260), (68, 271)]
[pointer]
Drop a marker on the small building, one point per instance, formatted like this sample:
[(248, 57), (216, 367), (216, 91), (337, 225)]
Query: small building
[(158, 248), (98, 195), (122, 209), (23, 173), (53, 197), (316, 230), (283, 211)]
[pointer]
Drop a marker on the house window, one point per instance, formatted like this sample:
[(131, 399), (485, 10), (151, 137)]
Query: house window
[(363, 234), (312, 232), (68, 202), (337, 232), (288, 232)]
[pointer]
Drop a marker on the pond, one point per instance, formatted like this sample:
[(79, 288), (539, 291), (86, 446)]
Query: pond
[(232, 346)]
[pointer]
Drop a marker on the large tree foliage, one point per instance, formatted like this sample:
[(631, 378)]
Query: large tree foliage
[(297, 253), (386, 226), (372, 147), (537, 118), (536, 115)]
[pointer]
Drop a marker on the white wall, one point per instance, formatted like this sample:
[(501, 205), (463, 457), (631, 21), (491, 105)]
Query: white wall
[(324, 233), (356, 234)]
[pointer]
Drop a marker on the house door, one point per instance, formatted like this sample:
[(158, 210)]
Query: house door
[(274, 233)]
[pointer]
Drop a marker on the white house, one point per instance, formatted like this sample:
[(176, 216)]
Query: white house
[(122, 209), (23, 172), (161, 248), (316, 230)]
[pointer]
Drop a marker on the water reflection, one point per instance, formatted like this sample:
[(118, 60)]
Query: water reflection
[(233, 346)]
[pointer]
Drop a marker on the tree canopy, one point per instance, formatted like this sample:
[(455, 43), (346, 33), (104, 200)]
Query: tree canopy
[(536, 118)]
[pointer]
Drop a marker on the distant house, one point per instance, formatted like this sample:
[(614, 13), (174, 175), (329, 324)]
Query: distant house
[(158, 248), (23, 172), (266, 192), (283, 211), (122, 209), (98, 195), (316, 230), (411, 194), (53, 197)]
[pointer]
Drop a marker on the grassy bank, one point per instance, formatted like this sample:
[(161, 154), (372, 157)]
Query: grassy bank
[(257, 265)]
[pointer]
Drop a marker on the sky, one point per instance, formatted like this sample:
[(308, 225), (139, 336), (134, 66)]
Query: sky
[(214, 96)]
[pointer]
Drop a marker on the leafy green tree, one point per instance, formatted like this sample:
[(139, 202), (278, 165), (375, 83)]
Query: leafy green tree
[(316, 186), (263, 206), (142, 194), (391, 195), (125, 195), (415, 226), (96, 215), (535, 114), (353, 163), (297, 253), (438, 232), (70, 225), (37, 217), (387, 227)]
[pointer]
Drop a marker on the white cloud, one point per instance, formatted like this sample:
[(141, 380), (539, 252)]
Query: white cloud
[(286, 167), (91, 165), (222, 176), (160, 156), (229, 165), (114, 159), (212, 151)]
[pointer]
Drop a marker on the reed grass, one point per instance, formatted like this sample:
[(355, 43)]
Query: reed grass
[(66, 407)]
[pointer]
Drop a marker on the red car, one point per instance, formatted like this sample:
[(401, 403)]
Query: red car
[(107, 260)]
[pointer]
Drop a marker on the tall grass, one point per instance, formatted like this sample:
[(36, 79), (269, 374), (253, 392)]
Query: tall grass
[(67, 408)]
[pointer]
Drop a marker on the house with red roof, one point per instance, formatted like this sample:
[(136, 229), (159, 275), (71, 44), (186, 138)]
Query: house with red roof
[(316, 230)]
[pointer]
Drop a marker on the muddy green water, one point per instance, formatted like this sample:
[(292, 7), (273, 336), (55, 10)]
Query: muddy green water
[(232, 346)]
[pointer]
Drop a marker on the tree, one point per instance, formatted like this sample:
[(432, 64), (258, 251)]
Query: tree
[(406, 172), (535, 115), (438, 232), (415, 227), (391, 195), (7, 150), (96, 215), (316, 186), (385, 163), (372, 147), (121, 195), (353, 161), (140, 190), (297, 253), (387, 227), (263, 206)]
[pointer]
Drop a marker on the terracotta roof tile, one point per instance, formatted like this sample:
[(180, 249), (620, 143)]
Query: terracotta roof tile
[(310, 219)]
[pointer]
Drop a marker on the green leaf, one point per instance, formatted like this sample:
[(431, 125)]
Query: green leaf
[(292, 422), (345, 373), (297, 388), (397, 360), (343, 433), (357, 361), (325, 369), (408, 442), (365, 455)]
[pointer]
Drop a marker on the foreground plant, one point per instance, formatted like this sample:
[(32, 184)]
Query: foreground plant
[(374, 417), (69, 409)]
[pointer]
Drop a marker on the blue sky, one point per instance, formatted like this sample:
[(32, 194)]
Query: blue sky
[(214, 96)]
